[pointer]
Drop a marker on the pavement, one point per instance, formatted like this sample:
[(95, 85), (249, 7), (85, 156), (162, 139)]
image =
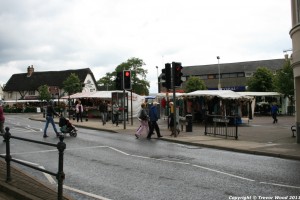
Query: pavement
[(259, 136)]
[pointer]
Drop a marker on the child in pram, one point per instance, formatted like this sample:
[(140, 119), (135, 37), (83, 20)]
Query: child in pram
[(67, 127)]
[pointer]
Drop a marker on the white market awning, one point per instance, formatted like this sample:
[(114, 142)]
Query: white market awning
[(224, 94)]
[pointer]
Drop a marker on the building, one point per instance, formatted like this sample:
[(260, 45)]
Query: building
[(24, 86), (295, 61), (233, 76)]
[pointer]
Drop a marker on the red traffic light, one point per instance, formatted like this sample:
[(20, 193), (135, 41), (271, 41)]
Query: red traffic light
[(127, 73)]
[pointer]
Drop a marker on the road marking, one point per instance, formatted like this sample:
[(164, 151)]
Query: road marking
[(281, 185), (220, 172), (53, 182), (85, 193), (146, 157)]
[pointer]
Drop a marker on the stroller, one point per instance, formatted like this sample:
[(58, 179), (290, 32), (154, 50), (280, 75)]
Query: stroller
[(66, 126)]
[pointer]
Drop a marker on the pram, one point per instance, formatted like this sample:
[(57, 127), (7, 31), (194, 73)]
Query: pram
[(66, 126)]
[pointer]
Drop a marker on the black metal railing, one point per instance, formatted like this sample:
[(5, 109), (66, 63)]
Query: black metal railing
[(226, 126), (61, 146)]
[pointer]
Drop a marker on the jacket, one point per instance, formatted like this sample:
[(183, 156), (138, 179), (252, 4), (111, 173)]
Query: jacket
[(153, 114)]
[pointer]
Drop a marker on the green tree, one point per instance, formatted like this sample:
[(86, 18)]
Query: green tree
[(284, 81), (72, 84), (193, 84), (261, 81), (107, 81), (140, 85), (44, 94)]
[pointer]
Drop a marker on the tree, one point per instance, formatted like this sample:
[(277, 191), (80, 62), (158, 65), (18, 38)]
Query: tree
[(261, 81), (44, 94), (72, 84), (193, 84), (140, 85), (107, 81), (284, 81)]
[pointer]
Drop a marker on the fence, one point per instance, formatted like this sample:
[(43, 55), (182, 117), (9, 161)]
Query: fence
[(221, 125), (61, 146)]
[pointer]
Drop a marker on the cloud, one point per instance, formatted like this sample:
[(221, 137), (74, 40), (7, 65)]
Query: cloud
[(57, 35)]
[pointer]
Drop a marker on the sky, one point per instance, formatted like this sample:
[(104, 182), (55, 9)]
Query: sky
[(58, 35)]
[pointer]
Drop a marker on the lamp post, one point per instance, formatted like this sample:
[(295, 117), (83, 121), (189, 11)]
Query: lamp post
[(219, 84)]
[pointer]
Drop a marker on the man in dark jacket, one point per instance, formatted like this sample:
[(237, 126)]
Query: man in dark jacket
[(50, 112), (153, 115)]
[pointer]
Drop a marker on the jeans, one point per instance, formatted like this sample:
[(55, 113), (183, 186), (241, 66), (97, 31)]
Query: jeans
[(50, 120), (104, 117)]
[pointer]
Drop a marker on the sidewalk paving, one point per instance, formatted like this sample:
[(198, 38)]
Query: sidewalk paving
[(260, 137)]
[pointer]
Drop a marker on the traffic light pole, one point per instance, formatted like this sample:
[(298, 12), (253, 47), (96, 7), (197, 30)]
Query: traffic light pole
[(123, 102), (174, 112), (174, 102)]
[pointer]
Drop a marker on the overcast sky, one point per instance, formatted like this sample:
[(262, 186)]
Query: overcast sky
[(101, 34)]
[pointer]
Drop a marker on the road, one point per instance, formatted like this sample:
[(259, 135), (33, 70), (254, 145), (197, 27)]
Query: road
[(102, 165)]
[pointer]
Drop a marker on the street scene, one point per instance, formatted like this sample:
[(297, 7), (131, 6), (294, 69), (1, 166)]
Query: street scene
[(102, 164), (149, 100)]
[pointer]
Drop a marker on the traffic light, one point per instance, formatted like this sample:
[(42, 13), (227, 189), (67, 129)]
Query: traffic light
[(127, 79), (177, 74), (166, 76), (119, 81)]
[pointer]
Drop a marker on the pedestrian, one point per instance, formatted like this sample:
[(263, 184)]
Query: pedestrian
[(109, 113), (103, 111), (172, 123), (274, 112), (153, 115), (143, 118), (50, 112), (116, 113), (79, 111), (2, 120)]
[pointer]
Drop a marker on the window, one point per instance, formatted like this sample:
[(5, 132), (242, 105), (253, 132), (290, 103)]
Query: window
[(203, 77), (240, 74), (31, 92), (229, 75), (211, 76), (248, 74)]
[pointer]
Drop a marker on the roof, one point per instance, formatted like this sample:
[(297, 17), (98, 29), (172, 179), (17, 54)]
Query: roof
[(21, 82), (224, 94), (249, 66), (96, 94)]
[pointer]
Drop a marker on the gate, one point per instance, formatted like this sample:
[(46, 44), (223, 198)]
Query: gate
[(226, 126)]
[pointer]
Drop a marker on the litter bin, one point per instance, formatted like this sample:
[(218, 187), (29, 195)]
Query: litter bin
[(189, 123)]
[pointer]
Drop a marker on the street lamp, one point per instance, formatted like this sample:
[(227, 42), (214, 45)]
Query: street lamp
[(219, 84)]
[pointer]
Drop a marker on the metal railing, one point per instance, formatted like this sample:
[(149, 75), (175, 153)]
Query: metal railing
[(61, 146), (221, 125)]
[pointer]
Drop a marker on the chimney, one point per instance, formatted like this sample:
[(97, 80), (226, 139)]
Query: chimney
[(30, 70)]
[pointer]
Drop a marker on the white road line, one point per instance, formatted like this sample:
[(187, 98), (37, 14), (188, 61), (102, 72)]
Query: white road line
[(158, 159), (85, 193), (281, 185), (240, 177), (48, 176), (122, 152)]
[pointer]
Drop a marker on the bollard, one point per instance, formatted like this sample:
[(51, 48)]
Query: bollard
[(61, 146), (7, 157)]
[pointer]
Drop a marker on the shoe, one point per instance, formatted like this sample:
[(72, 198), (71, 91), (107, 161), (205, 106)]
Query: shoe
[(137, 137), (159, 136), (45, 136)]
